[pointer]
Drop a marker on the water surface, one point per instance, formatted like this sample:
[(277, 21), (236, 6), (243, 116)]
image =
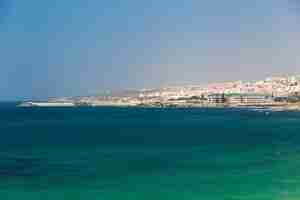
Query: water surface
[(139, 153)]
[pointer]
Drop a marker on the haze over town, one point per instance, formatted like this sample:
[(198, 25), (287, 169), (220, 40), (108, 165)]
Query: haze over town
[(57, 48)]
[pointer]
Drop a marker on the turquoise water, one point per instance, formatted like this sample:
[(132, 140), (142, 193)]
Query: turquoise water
[(141, 154)]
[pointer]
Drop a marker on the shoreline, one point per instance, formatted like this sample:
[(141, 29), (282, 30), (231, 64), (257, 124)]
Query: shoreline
[(272, 107)]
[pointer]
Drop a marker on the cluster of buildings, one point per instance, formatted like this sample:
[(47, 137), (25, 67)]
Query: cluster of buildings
[(269, 92)]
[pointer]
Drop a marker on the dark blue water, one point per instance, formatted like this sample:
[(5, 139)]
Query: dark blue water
[(139, 153)]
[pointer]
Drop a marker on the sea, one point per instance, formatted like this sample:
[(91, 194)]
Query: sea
[(118, 153)]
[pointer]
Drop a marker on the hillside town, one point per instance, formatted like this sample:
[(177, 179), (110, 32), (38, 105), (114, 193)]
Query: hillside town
[(272, 92)]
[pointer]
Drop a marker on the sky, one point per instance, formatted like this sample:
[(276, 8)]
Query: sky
[(71, 48)]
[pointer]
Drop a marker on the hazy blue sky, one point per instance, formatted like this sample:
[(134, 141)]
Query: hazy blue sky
[(79, 47)]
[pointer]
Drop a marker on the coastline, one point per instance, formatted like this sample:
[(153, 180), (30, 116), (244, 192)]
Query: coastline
[(273, 107)]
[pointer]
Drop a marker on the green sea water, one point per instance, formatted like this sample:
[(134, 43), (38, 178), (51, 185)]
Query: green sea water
[(148, 154)]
